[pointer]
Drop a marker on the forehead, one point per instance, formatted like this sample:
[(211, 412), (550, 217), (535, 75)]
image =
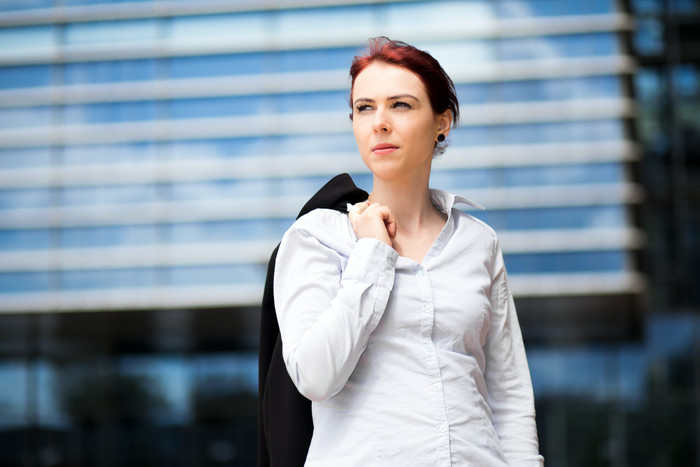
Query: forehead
[(383, 80)]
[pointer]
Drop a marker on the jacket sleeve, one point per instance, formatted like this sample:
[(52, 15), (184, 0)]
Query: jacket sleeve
[(510, 395), (327, 310)]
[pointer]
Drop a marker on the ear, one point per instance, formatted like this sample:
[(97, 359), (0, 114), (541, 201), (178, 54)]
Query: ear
[(444, 122)]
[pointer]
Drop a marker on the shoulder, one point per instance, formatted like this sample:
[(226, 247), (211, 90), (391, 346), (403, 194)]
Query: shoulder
[(474, 230), (325, 226)]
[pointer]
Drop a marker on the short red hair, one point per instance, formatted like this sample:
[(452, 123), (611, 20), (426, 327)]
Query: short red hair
[(439, 86)]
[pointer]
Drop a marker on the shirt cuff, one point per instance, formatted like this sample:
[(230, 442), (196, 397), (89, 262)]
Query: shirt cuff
[(372, 261)]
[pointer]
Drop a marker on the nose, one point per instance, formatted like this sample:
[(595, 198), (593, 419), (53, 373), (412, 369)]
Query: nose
[(380, 123)]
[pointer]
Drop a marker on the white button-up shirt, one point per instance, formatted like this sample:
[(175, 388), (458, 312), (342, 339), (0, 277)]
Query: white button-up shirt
[(407, 363)]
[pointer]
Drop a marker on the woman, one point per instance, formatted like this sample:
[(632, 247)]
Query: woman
[(396, 319)]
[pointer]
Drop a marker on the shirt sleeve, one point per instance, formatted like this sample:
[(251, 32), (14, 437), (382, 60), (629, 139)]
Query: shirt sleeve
[(326, 312), (510, 395)]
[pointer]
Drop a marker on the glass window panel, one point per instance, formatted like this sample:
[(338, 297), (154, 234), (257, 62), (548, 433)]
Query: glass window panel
[(84, 196), (217, 65), (12, 5), (686, 81), (453, 180), (108, 279), (541, 47), (25, 239), (29, 38), (213, 275), (108, 236), (574, 174), (312, 102), (90, 2), (226, 385), (219, 106), (109, 112), (18, 282), (109, 71), (566, 262), (219, 148), (221, 189), (156, 386), (25, 117), (25, 199), (400, 17), (475, 93), (109, 154), (558, 89), (25, 76), (25, 157), (13, 392), (322, 22), (314, 60), (536, 8), (101, 32), (242, 28), (570, 217), (324, 144), (227, 231), (648, 36)]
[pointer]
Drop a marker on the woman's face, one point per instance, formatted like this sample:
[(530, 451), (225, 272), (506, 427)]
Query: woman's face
[(394, 125)]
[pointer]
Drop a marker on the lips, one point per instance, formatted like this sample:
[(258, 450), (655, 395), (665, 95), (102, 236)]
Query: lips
[(384, 148)]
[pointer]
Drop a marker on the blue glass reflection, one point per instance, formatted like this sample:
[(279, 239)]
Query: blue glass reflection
[(570, 174), (121, 235), (570, 217), (220, 189), (17, 282), (108, 279), (23, 199), (217, 65), (109, 71), (218, 148), (219, 106), (25, 117), (227, 231), (169, 383), (216, 275), (13, 392), (541, 47), (24, 239), (312, 102), (25, 157), (85, 196), (539, 8), (109, 154), (547, 132), (12, 5), (109, 112), (566, 262), (25, 76), (96, 32), (326, 144), (313, 60)]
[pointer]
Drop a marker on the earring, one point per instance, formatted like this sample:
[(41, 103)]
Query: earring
[(441, 138)]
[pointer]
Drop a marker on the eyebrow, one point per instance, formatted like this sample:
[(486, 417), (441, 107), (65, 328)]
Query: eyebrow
[(390, 98)]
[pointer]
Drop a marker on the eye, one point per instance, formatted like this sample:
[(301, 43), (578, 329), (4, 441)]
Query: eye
[(363, 108), (401, 105)]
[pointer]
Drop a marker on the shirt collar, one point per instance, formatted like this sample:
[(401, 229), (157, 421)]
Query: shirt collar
[(446, 200)]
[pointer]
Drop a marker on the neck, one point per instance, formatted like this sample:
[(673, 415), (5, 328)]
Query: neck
[(409, 201)]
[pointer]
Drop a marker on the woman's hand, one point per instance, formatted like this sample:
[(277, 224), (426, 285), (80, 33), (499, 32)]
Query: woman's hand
[(372, 220)]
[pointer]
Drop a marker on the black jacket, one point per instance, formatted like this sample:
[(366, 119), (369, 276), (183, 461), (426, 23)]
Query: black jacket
[(284, 416)]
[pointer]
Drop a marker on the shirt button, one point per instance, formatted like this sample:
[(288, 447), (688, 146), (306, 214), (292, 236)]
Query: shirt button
[(428, 308), (428, 348), (436, 386), (441, 428), (390, 262), (420, 273)]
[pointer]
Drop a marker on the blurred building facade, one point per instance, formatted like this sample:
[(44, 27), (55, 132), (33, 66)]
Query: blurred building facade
[(152, 153)]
